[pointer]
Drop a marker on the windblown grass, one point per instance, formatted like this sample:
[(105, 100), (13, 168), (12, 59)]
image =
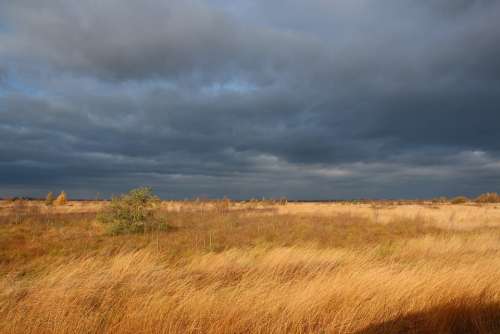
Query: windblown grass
[(250, 271)]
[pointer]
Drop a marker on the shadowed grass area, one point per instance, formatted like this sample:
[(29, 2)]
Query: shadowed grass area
[(460, 316)]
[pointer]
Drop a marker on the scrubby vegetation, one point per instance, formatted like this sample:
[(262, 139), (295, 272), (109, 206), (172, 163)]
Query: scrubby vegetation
[(133, 213), (248, 267), (459, 200), (488, 198)]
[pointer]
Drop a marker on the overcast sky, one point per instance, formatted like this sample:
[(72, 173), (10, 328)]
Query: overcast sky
[(310, 99)]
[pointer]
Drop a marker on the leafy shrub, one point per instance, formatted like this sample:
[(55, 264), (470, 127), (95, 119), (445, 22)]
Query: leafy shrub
[(132, 212), (488, 198), (459, 200)]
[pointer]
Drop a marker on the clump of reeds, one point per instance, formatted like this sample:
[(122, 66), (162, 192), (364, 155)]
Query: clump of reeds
[(61, 199)]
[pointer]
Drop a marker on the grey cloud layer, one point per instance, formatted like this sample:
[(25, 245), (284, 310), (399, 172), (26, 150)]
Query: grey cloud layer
[(310, 99)]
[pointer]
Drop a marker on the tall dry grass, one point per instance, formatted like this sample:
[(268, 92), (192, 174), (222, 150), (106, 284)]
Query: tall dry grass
[(250, 271)]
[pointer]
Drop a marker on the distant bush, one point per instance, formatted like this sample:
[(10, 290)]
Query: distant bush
[(132, 212), (488, 198), (439, 200), (49, 200), (62, 199), (459, 200)]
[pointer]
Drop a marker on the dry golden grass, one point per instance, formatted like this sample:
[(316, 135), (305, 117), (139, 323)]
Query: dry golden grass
[(253, 268)]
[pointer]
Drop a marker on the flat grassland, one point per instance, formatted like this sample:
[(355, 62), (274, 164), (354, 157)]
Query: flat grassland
[(253, 268)]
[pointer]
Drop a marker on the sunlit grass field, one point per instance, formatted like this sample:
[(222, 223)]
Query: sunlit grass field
[(252, 267)]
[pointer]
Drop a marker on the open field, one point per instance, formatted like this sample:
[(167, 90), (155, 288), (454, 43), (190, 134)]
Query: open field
[(252, 268)]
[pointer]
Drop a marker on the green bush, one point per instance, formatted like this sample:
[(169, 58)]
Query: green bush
[(133, 212)]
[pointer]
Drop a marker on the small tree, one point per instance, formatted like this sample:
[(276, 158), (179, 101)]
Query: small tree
[(61, 199), (131, 212), (49, 200)]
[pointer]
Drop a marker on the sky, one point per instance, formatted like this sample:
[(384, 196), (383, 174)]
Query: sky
[(316, 99)]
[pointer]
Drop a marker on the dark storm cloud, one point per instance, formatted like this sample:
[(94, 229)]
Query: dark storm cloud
[(310, 99), (149, 39), (3, 76)]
